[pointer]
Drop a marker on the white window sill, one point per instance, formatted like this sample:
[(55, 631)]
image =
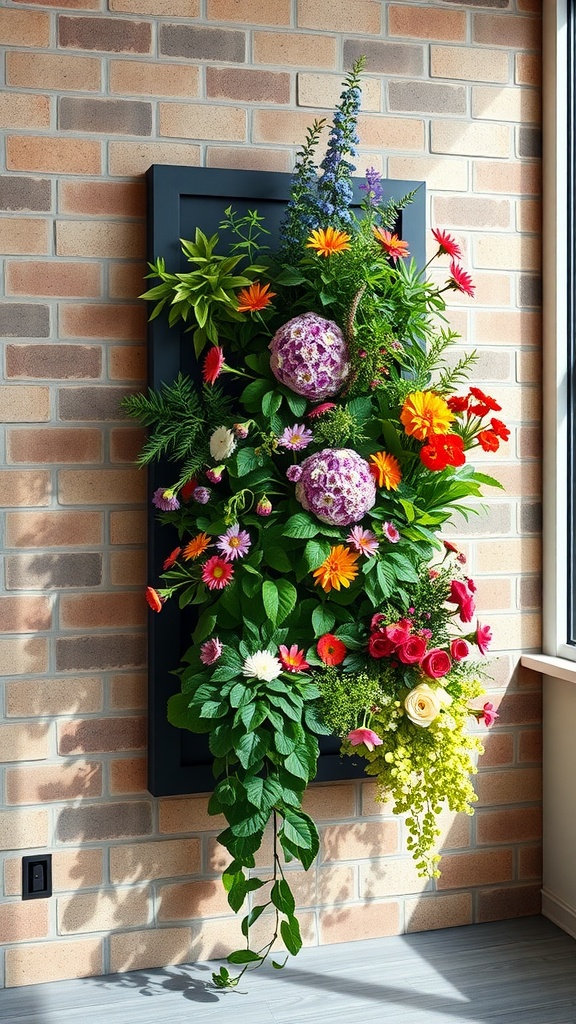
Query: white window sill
[(560, 668)]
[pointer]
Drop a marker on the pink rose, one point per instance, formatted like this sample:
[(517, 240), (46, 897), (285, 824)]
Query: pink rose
[(379, 646), (365, 736), (412, 650), (461, 595), (459, 649), (483, 638), (489, 713), (436, 663), (398, 632)]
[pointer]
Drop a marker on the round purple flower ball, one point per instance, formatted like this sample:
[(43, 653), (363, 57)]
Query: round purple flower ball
[(336, 485), (310, 356)]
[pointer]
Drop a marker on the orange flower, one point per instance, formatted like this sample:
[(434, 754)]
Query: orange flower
[(326, 242), (386, 470), (425, 413), (391, 244), (331, 649), (153, 598), (256, 297), (196, 547), (338, 570)]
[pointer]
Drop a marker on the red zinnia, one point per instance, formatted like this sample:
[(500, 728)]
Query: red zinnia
[(217, 573), (447, 244), (458, 403), (485, 399), (500, 429), (212, 366), (460, 280), (443, 450), (488, 440), (169, 562), (153, 598), (331, 650)]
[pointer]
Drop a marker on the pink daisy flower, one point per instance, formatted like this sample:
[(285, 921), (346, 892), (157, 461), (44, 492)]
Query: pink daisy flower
[(363, 541), (210, 651), (235, 543), (460, 281), (292, 659), (217, 573), (391, 533), (448, 245), (483, 638), (295, 438)]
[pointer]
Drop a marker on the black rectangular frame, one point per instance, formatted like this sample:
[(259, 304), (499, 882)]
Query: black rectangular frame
[(178, 200)]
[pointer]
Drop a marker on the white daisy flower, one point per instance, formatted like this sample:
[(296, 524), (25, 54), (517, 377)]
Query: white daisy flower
[(262, 665), (222, 444)]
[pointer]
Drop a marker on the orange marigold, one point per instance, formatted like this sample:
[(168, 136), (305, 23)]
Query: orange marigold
[(196, 547), (256, 297), (338, 569), (425, 413), (326, 242), (386, 470)]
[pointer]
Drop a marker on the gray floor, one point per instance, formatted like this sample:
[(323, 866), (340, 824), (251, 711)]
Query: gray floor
[(508, 972)]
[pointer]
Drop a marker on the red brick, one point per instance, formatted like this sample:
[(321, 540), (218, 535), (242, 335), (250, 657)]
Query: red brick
[(25, 614), (104, 486), (53, 362), (462, 870), (126, 280), (54, 445), (128, 527), (128, 691), (513, 901), (53, 529), (510, 826), (248, 85), (426, 23), (511, 786), (127, 362), (507, 30), (96, 610), (40, 277), (24, 236), (126, 443)]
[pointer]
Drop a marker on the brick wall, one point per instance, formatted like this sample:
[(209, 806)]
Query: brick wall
[(94, 93)]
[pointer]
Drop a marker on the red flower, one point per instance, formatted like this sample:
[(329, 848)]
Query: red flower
[(483, 638), (436, 663), (454, 449), (172, 557), (153, 598), (412, 650), (447, 244), (460, 280), (217, 573), (458, 403), (443, 450), (292, 659), (489, 714), (485, 399), (376, 621), (461, 594), (187, 489), (488, 440), (459, 649), (379, 646), (398, 632), (433, 457), (391, 244), (500, 429), (212, 366), (331, 650), (321, 409)]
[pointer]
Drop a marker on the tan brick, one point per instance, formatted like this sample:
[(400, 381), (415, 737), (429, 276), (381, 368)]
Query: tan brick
[(291, 49), (470, 139), (467, 63), (71, 869), (54, 445), (25, 614), (53, 961), (24, 110), (509, 826), (24, 28), (96, 610), (514, 901), (21, 404), (249, 159), (128, 775), (316, 91), (330, 802), (219, 937), (508, 555), (507, 30), (494, 594), (141, 862), (513, 104), (128, 527), (425, 23), (23, 236), (126, 280), (158, 8), (509, 786), (368, 921), (54, 155), (528, 69), (507, 328), (103, 198), (187, 814), (443, 175), (471, 212), (128, 692), (95, 735), (132, 158), (40, 277), (53, 71), (284, 126), (24, 742), (128, 568), (127, 362), (20, 922), (84, 5), (509, 178), (52, 783), (359, 840), (498, 749), (81, 695), (103, 911), (78, 320), (189, 900), (53, 529), (324, 886), (392, 132), (362, 17), (202, 121), (135, 950), (23, 830), (507, 252), (471, 869), (20, 657), (250, 12), (390, 877), (99, 238), (101, 487), (136, 78), (429, 912)]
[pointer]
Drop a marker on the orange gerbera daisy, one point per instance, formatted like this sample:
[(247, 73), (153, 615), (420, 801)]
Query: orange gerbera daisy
[(196, 547), (386, 470), (256, 297), (326, 242), (391, 244), (425, 413), (154, 599), (338, 570)]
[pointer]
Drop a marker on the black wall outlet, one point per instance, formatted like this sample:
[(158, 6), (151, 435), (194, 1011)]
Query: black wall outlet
[(37, 876)]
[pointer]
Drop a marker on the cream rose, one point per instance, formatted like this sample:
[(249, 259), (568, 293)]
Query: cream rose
[(424, 703)]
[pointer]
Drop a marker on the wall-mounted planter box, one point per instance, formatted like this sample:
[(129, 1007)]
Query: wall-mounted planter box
[(179, 200)]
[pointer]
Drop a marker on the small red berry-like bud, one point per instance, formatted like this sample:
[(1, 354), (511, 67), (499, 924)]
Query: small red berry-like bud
[(264, 506)]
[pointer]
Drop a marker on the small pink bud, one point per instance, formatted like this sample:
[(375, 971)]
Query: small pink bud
[(264, 506), (241, 430)]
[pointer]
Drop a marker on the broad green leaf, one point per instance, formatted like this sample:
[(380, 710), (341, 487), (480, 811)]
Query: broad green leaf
[(315, 552), (271, 600), (291, 935), (301, 526), (322, 620), (243, 956), (252, 917), (282, 898), (251, 747)]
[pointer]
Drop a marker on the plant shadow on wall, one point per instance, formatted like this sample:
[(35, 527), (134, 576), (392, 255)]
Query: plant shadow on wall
[(308, 498)]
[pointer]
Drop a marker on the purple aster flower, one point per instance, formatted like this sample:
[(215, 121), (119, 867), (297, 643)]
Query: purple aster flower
[(363, 541), (296, 437), (210, 651), (165, 499), (202, 495), (235, 543), (294, 473), (391, 533)]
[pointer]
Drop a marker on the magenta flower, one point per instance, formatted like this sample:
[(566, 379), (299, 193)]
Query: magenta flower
[(461, 594), (215, 475), (483, 638), (319, 410), (391, 533), (489, 714), (293, 473), (210, 651), (365, 736), (310, 356), (165, 499), (295, 438), (202, 495), (363, 541), (264, 506), (459, 649), (235, 543)]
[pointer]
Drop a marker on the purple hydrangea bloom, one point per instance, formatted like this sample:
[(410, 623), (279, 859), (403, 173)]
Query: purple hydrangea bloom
[(165, 499), (337, 486), (310, 356)]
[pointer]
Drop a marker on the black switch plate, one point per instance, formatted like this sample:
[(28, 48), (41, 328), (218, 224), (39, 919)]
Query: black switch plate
[(37, 876)]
